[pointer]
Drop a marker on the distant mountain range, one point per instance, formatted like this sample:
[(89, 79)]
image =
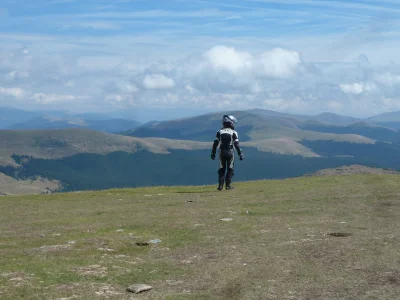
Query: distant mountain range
[(78, 152), (11, 118), (327, 118), (256, 126), (35, 120)]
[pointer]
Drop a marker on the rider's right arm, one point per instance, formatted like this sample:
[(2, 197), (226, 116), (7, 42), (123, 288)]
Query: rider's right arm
[(216, 142)]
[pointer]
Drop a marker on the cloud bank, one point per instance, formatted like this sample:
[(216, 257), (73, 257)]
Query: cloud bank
[(219, 78)]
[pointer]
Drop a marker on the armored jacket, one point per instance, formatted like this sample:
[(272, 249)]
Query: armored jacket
[(227, 138)]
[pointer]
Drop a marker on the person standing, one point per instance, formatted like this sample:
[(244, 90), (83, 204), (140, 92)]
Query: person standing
[(227, 139)]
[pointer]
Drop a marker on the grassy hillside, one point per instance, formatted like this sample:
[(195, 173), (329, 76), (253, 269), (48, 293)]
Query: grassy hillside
[(89, 160), (251, 126), (54, 144), (11, 186), (46, 122), (307, 238)]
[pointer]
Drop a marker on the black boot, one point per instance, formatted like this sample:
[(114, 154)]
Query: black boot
[(221, 184), (228, 184)]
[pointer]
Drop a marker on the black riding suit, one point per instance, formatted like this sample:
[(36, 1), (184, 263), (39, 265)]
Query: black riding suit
[(228, 139)]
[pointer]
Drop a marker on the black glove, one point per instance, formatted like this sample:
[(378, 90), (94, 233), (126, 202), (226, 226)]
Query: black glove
[(212, 155), (241, 156)]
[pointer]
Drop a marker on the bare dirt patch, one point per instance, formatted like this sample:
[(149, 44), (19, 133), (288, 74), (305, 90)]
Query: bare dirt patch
[(53, 248), (93, 270)]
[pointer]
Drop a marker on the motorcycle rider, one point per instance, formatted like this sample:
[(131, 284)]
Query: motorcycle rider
[(227, 139)]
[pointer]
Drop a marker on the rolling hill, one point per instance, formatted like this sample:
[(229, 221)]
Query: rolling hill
[(54, 144), (326, 118), (385, 117), (390, 119), (371, 131), (82, 159), (50, 122), (10, 116), (177, 152), (251, 127)]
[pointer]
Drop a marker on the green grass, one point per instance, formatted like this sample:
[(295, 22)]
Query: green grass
[(277, 245)]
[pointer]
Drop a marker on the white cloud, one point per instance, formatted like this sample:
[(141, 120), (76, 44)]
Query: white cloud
[(94, 25), (280, 103), (117, 98), (226, 69), (16, 75), (126, 87), (354, 88), (189, 88), (98, 63), (274, 78), (279, 63), (388, 79), (14, 92), (391, 104), (70, 83), (223, 58), (158, 81), (357, 88), (42, 98), (335, 106)]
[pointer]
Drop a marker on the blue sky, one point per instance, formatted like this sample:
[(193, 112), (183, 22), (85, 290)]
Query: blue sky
[(303, 56)]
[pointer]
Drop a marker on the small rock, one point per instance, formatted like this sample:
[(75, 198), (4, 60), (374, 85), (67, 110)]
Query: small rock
[(71, 242), (160, 194), (120, 230), (226, 219), (106, 249), (139, 288), (156, 241), (186, 262), (147, 195)]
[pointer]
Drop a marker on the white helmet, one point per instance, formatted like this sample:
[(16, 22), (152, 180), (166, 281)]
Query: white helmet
[(229, 120)]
